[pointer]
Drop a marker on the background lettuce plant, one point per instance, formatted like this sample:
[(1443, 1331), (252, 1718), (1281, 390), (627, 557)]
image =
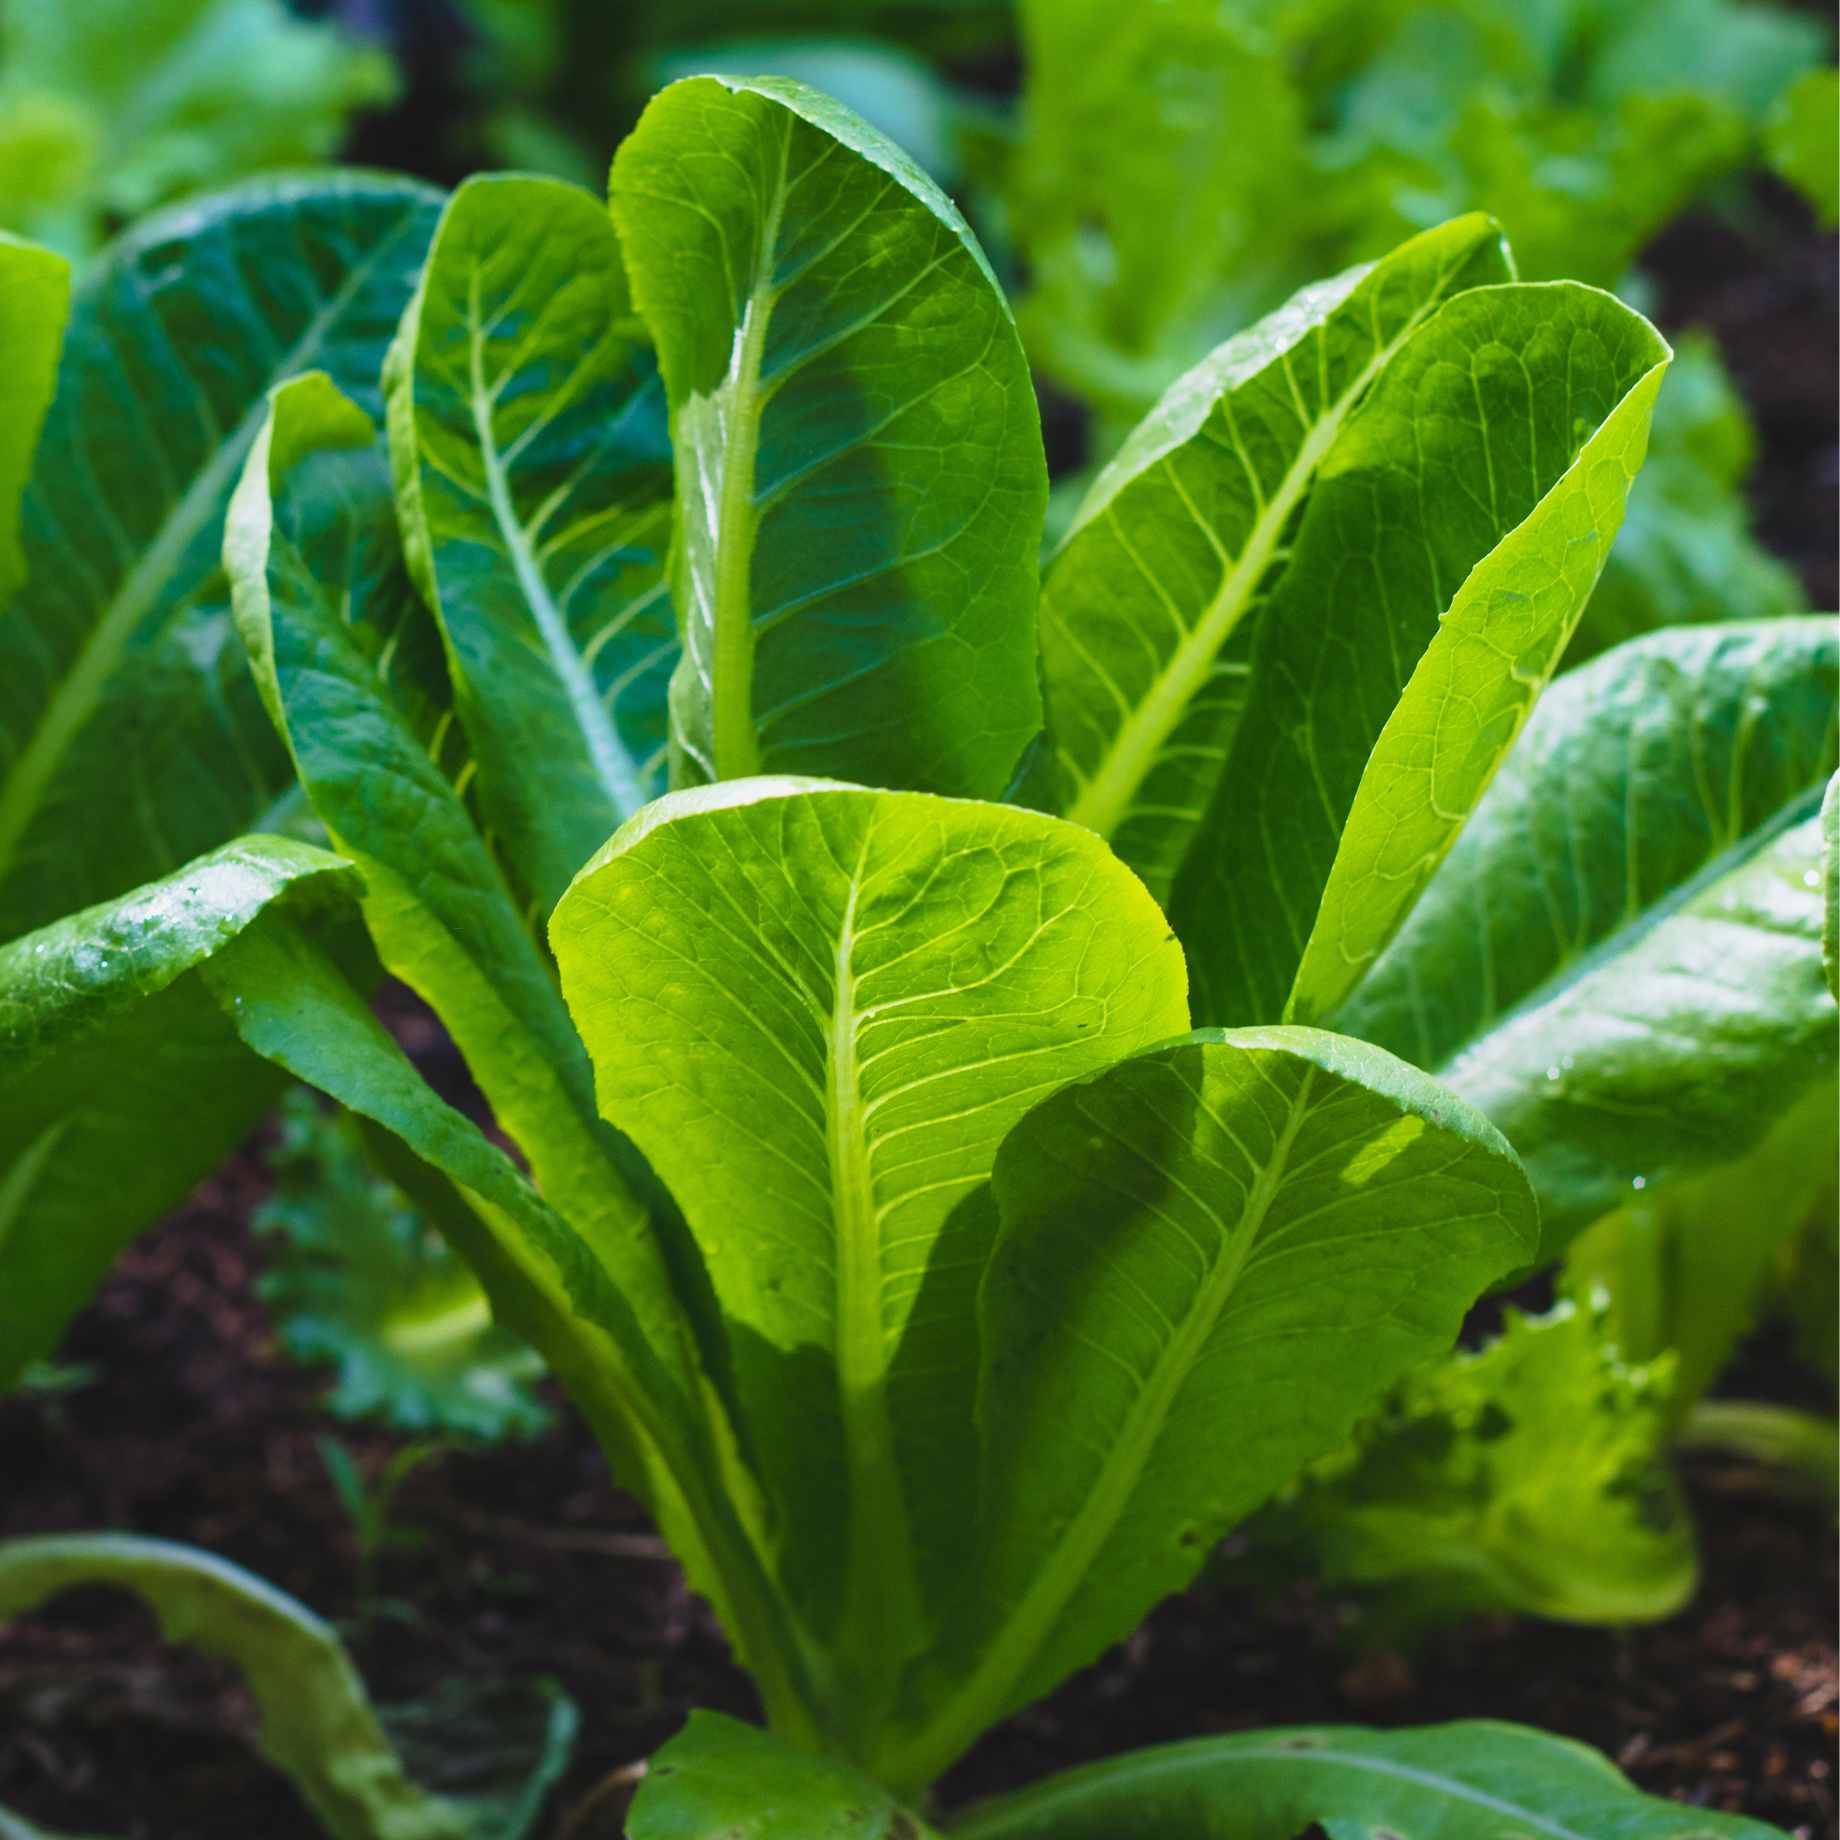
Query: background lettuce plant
[(943, 1292)]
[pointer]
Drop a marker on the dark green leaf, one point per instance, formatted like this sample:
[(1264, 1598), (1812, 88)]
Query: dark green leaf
[(131, 738), (119, 1083)]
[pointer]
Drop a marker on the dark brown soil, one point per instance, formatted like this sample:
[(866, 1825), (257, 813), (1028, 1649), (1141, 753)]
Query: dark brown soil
[(195, 1428)]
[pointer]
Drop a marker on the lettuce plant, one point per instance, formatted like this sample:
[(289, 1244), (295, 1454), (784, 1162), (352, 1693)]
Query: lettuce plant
[(943, 1289)]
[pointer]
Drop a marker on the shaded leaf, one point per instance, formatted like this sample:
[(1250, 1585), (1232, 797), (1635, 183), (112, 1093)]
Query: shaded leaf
[(817, 1010), (1181, 537), (121, 1084), (1620, 961), (317, 1726), (1261, 1229), (533, 469), (120, 668), (860, 479), (1443, 559)]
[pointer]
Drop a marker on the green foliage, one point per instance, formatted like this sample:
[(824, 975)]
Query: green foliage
[(317, 1726), (114, 1092), (1685, 553), (358, 1279), (111, 107), (1803, 138), (1529, 1476), (860, 478), (1619, 963)]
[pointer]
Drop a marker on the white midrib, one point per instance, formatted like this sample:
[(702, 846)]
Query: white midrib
[(1010, 1649), (734, 741), (880, 1601), (614, 767), (74, 700), (1105, 799)]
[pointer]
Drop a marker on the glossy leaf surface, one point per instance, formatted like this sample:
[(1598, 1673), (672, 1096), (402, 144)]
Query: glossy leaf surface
[(533, 469), (817, 1010), (860, 480), (1442, 561), (119, 1082), (1620, 962), (1260, 1229), (120, 667), (1182, 536)]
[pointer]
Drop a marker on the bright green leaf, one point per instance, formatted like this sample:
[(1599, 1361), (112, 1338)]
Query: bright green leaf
[(131, 738), (317, 1724), (1530, 1476), (1803, 138), (1440, 1782), (860, 480), (1619, 963), (1444, 556), (1683, 1267), (817, 1010), (128, 103), (34, 301), (533, 468), (721, 1778), (1181, 536), (119, 1083), (1258, 1230)]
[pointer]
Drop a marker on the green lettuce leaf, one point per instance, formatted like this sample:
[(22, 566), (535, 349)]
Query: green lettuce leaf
[(533, 471), (1529, 1476), (131, 738), (1802, 136), (34, 302), (120, 1084), (1620, 961), (860, 480), (817, 1010), (1440, 1782), (317, 1725), (114, 106), (1444, 557), (1181, 537), (1263, 1228)]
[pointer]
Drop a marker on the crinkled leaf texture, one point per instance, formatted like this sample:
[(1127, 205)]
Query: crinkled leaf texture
[(1440, 1782), (1182, 535), (1531, 1475), (1444, 556), (860, 477), (533, 471), (317, 1723), (116, 1088), (817, 1010), (1620, 962), (1212, 1259)]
